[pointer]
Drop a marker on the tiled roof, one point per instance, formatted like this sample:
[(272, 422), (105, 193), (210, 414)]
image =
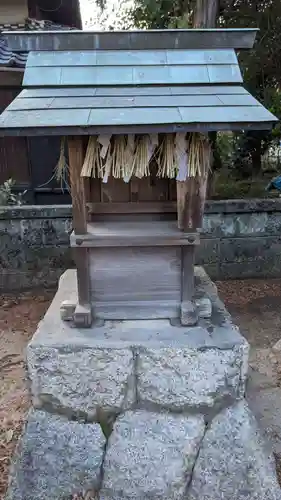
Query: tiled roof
[(8, 58)]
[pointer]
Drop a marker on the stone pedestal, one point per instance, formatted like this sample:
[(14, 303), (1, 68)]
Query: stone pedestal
[(140, 410)]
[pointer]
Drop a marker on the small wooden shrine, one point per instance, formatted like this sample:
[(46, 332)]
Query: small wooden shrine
[(135, 109)]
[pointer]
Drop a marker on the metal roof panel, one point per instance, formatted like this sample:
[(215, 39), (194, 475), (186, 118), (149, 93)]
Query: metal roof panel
[(136, 101), (224, 74), (134, 109), (133, 40), (124, 81), (46, 116), (131, 58), (127, 75), (44, 77), (187, 90)]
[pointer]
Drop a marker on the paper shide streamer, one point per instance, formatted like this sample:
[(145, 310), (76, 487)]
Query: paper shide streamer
[(177, 156)]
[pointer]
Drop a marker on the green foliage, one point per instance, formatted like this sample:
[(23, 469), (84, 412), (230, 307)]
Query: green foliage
[(226, 186), (225, 145), (160, 14), (261, 66), (7, 197)]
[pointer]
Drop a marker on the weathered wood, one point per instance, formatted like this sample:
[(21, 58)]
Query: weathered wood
[(205, 16), (139, 309), (190, 204), (181, 203), (83, 314), (115, 190), (135, 276), (188, 307), (86, 180), (95, 192), (11, 77), (153, 188), (153, 207), (76, 158), (134, 190), (133, 234), (187, 290)]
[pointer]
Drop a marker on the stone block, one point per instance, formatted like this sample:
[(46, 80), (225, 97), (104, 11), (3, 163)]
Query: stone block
[(249, 249), (183, 379), (265, 267), (233, 462), (151, 456), (242, 224), (273, 225), (56, 459), (212, 224), (81, 381), (208, 252), (36, 259), (15, 280), (93, 372)]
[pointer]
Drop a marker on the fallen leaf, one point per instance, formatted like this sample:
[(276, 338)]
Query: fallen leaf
[(9, 435)]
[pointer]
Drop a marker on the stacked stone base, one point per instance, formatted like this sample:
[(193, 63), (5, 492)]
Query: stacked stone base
[(140, 410)]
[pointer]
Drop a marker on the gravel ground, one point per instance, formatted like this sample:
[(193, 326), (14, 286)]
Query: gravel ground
[(255, 306), (18, 320)]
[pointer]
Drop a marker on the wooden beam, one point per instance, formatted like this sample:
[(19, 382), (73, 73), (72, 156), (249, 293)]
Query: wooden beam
[(191, 194), (76, 158), (188, 308), (143, 207), (190, 202), (11, 77), (82, 315)]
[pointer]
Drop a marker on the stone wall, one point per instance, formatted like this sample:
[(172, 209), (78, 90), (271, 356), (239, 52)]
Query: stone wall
[(241, 239), (140, 410)]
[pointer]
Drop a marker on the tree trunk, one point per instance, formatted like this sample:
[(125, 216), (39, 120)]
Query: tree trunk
[(205, 16), (256, 156), (206, 12)]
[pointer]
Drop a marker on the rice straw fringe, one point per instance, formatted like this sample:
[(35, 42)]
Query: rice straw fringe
[(178, 156)]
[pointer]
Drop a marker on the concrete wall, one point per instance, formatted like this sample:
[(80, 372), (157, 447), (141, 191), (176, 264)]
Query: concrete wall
[(241, 239)]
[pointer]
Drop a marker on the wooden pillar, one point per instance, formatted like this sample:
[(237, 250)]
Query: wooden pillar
[(82, 315), (190, 203), (76, 158), (188, 309), (191, 193), (189, 209)]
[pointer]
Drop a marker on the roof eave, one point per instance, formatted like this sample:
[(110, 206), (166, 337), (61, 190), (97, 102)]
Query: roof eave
[(132, 40), (136, 129)]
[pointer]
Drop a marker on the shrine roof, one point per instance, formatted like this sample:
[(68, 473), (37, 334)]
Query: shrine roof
[(145, 81)]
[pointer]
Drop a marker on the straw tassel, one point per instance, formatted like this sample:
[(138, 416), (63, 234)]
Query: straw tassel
[(92, 163), (126, 156), (166, 157), (62, 167)]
